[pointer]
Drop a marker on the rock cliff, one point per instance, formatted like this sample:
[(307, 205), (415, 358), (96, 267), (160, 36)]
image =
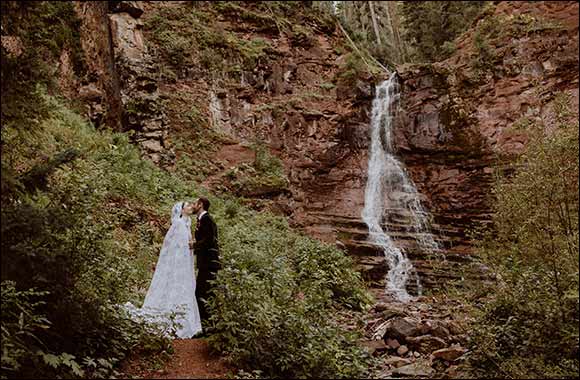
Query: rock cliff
[(199, 82)]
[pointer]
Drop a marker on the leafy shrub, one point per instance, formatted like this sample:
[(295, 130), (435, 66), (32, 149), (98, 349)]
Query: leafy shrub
[(89, 239), (79, 243), (265, 175), (275, 298), (353, 69), (528, 325)]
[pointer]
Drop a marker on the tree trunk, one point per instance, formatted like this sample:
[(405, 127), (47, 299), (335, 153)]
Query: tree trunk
[(374, 20)]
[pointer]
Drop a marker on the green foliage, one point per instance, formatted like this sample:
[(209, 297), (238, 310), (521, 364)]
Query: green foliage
[(265, 176), (484, 57), (78, 239), (353, 69), (186, 36), (428, 25), (43, 29), (275, 298), (522, 25), (90, 237), (327, 86), (19, 325), (528, 325)]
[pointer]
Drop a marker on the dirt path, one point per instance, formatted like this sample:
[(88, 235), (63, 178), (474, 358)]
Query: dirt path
[(192, 359)]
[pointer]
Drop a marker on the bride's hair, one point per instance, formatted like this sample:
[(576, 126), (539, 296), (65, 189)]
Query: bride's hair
[(183, 204), (177, 211)]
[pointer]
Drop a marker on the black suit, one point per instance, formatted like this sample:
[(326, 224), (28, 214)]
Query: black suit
[(206, 250)]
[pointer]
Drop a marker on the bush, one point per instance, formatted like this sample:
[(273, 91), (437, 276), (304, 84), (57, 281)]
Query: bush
[(528, 326), (275, 298), (90, 236), (81, 241), (265, 176)]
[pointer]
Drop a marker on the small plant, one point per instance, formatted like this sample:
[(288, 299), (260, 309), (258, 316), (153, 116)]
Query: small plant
[(327, 86)]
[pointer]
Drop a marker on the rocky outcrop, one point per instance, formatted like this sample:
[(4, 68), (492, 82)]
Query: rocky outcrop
[(455, 126), (424, 338), (144, 112), (122, 88), (102, 92)]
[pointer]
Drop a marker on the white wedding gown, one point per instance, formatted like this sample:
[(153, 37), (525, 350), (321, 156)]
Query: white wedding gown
[(170, 303)]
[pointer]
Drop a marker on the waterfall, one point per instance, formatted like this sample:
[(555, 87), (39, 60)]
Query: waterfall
[(389, 189)]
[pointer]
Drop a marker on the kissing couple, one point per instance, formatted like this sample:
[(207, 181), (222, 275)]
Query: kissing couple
[(176, 300)]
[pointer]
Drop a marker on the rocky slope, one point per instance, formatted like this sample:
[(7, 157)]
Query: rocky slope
[(198, 83)]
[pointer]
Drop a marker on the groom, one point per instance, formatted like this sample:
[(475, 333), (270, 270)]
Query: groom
[(206, 249)]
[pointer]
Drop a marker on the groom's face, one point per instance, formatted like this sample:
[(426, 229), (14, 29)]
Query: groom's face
[(197, 207)]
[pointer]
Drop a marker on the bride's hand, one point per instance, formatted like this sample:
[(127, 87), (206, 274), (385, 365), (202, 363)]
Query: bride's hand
[(191, 244)]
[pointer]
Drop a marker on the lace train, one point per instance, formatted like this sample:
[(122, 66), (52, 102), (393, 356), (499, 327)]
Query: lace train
[(170, 302)]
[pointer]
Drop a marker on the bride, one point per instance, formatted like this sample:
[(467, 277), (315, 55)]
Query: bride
[(170, 302)]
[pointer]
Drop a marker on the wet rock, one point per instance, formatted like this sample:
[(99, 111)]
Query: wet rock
[(449, 354), (402, 350), (416, 370), (397, 362), (364, 90), (375, 346), (393, 343), (402, 328), (426, 343)]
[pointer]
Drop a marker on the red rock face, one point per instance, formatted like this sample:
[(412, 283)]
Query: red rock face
[(456, 124)]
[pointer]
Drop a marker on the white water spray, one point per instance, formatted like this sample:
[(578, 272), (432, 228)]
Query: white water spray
[(390, 188)]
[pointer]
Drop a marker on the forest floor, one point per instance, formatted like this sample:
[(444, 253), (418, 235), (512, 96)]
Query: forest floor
[(434, 348), (192, 359)]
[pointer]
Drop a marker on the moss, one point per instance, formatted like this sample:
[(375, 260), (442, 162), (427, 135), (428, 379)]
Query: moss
[(263, 21), (327, 86), (264, 176), (455, 119)]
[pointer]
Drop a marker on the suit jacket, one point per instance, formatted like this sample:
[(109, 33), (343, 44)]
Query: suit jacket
[(206, 244)]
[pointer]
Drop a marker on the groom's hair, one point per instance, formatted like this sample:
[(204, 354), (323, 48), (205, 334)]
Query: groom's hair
[(205, 203)]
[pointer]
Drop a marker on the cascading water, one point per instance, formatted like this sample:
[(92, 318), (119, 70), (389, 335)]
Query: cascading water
[(390, 188)]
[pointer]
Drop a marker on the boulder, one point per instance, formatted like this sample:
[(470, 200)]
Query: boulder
[(449, 354), (402, 350), (418, 369), (393, 343), (402, 328), (426, 343), (395, 361), (374, 346)]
